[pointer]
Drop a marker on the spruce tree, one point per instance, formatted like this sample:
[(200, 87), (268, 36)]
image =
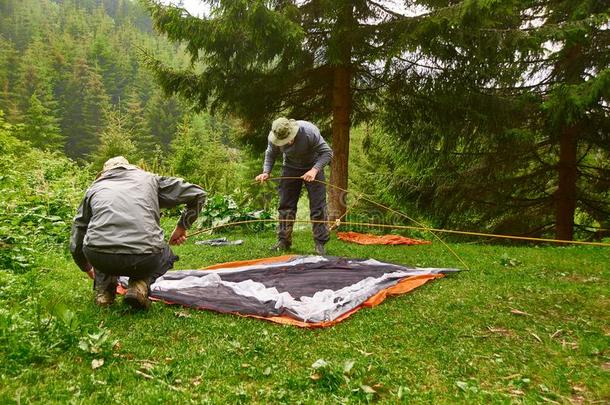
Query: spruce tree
[(115, 140), (9, 59), (163, 115), (316, 60), (137, 125), (502, 113), (41, 127), (85, 106), (35, 76)]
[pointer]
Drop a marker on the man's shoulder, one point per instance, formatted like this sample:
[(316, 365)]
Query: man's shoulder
[(306, 124), (119, 175), (308, 128)]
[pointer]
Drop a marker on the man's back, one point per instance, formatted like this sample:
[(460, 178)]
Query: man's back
[(125, 214)]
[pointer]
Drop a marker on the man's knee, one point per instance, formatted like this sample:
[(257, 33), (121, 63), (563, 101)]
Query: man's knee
[(287, 213)]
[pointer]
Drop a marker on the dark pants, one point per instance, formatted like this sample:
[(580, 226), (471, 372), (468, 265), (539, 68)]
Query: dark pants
[(147, 267), (290, 191)]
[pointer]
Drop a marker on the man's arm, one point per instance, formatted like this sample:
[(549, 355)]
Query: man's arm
[(79, 230), (323, 152), (270, 156), (174, 191)]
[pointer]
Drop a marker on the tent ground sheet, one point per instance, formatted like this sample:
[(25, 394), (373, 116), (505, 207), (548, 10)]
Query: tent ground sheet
[(306, 291)]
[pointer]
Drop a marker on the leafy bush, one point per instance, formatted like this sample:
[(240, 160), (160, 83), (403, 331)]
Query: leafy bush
[(38, 195), (202, 154), (220, 210)]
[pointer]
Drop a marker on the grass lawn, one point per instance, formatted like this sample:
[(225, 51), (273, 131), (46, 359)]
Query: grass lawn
[(523, 324)]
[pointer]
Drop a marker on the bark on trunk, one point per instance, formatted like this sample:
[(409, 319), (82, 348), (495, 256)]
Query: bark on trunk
[(571, 68), (342, 109), (340, 132), (565, 196)]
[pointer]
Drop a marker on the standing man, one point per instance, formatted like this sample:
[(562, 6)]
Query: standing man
[(305, 155), (116, 231)]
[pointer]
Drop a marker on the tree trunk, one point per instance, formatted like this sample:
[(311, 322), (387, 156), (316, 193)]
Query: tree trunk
[(571, 68), (342, 109), (565, 196), (342, 100)]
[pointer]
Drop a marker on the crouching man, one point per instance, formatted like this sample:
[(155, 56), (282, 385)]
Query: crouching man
[(116, 230)]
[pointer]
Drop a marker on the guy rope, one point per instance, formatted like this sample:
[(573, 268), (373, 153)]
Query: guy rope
[(420, 226)]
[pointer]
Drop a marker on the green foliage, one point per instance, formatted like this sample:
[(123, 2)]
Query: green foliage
[(507, 261), (98, 343), (164, 114), (80, 66), (115, 140), (258, 59), (9, 143), (137, 126), (202, 154), (83, 122), (38, 193), (32, 329), (41, 127), (8, 59), (492, 125), (221, 210)]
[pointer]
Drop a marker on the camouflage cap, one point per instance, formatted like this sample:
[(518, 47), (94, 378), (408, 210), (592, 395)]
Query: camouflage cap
[(283, 131)]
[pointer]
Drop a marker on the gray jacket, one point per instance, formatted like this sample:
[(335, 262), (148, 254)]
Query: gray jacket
[(309, 150), (121, 210)]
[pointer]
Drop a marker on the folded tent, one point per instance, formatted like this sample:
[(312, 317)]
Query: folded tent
[(306, 291)]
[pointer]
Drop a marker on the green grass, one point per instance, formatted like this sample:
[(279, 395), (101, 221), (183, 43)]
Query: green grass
[(452, 340)]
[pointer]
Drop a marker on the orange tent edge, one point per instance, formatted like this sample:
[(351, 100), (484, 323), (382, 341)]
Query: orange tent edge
[(265, 260)]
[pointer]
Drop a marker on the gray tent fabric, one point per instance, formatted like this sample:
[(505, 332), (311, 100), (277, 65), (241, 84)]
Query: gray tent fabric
[(220, 242), (310, 289)]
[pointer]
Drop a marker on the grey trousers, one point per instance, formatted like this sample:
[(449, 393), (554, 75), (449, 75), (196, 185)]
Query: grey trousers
[(147, 267), (290, 191)]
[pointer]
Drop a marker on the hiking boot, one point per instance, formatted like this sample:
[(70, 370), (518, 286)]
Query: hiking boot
[(280, 246), (104, 298), (137, 294), (320, 249)]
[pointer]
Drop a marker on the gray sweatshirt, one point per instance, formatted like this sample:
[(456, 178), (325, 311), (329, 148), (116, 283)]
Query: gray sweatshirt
[(309, 150), (121, 210)]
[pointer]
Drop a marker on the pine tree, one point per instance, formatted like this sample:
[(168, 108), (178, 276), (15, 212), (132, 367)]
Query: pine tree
[(106, 53), (35, 76), (199, 155), (163, 114), (85, 106), (502, 110), (41, 127), (115, 140), (8, 78), (315, 60), (137, 125), (9, 143)]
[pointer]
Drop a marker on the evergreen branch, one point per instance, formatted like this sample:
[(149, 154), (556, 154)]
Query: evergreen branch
[(592, 176), (584, 155), (386, 10), (412, 63), (592, 205)]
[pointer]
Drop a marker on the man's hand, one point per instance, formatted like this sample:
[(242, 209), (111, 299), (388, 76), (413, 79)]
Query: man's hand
[(178, 236), (310, 175), (91, 273), (262, 177)]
